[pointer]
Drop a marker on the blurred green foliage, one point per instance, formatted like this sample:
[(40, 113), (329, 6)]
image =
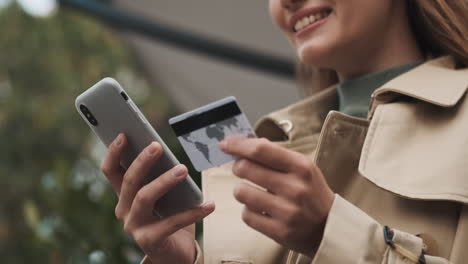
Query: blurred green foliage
[(55, 206)]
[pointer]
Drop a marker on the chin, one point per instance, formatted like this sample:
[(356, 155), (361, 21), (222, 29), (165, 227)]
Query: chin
[(319, 55)]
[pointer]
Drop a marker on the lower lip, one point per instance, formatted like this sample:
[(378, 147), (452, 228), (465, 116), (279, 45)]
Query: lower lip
[(311, 27)]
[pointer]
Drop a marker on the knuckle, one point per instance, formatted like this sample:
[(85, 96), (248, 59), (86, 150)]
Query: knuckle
[(304, 166), (128, 228), (240, 192), (285, 234), (299, 194), (247, 218), (128, 180), (142, 239), (241, 167), (261, 147), (277, 236), (315, 170), (293, 217), (142, 198), (106, 169)]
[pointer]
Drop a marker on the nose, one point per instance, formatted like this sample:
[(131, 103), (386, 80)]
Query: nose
[(292, 5)]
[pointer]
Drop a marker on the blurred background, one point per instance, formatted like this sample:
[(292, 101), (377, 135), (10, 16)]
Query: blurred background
[(170, 55)]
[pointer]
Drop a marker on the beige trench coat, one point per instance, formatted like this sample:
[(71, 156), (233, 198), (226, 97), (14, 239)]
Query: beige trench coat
[(405, 166)]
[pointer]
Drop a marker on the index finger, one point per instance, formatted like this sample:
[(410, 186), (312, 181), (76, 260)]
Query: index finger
[(261, 151)]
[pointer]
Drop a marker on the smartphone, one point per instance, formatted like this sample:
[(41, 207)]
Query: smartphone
[(109, 111)]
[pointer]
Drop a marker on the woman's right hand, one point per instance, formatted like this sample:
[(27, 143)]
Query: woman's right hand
[(168, 240)]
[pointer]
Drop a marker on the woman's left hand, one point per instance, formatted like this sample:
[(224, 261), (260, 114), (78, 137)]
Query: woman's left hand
[(294, 205)]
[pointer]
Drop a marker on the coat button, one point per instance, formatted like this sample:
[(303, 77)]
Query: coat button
[(286, 125)]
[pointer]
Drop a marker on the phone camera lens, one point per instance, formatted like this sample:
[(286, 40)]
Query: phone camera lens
[(88, 115)]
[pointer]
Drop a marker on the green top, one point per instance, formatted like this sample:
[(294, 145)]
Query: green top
[(354, 95)]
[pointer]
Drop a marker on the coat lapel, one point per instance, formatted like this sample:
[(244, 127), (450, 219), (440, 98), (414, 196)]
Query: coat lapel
[(417, 142)]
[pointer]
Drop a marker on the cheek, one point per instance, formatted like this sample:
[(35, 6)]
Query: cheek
[(353, 27), (276, 13), (363, 26), (364, 17)]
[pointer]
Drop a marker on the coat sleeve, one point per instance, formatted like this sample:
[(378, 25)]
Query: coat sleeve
[(351, 234), (198, 259)]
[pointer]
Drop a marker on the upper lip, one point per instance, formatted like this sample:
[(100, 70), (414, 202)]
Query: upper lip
[(303, 13)]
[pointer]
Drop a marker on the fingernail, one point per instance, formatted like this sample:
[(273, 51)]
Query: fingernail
[(152, 149), (208, 206), (179, 171), (119, 140)]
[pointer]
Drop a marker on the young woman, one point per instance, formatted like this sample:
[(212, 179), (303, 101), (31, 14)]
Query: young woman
[(371, 168)]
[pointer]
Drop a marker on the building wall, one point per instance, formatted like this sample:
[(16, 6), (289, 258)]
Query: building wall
[(193, 80)]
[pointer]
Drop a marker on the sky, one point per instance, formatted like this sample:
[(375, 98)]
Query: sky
[(39, 8), (4, 3)]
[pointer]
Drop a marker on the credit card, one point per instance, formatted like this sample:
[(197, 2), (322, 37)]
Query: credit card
[(200, 131)]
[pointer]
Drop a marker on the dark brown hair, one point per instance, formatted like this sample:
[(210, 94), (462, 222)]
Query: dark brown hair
[(440, 28)]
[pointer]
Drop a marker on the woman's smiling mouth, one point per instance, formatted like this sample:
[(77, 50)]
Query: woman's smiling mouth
[(308, 18)]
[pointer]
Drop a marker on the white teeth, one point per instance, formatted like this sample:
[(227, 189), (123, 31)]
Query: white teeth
[(297, 27), (302, 23), (312, 19)]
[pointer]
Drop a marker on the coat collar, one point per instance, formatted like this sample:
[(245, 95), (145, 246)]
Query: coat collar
[(436, 82)]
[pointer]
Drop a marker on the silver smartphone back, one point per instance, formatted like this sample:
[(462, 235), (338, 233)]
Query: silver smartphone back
[(108, 110)]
